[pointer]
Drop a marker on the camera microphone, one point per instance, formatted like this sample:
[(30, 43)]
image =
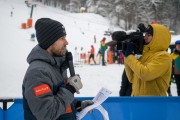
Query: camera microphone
[(69, 59), (119, 36)]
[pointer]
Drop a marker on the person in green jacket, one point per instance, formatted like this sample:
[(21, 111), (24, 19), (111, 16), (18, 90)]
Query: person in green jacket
[(150, 74), (176, 65), (102, 50)]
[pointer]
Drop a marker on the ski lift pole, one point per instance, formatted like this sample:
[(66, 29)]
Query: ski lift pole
[(32, 6), (31, 11)]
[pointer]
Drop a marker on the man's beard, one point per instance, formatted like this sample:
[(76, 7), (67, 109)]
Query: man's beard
[(60, 52)]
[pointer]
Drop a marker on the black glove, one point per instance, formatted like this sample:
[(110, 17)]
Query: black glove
[(70, 88), (129, 49), (80, 105), (86, 103)]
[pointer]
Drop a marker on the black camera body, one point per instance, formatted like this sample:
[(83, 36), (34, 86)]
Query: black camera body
[(136, 38)]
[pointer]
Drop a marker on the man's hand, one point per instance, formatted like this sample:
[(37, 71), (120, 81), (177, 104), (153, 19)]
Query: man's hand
[(75, 82), (129, 49), (86, 103), (83, 104)]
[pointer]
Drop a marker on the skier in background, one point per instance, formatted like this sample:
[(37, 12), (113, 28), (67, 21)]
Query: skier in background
[(32, 37), (11, 13), (103, 49), (92, 54), (176, 65)]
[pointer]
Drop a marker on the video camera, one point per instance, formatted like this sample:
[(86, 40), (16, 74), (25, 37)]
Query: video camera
[(136, 38)]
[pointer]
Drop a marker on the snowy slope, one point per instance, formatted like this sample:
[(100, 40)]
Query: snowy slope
[(80, 28)]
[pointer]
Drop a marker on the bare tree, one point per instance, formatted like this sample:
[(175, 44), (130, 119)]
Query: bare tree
[(155, 4), (127, 13)]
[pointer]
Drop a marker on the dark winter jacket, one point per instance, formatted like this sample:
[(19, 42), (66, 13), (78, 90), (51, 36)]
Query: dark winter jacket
[(176, 62), (126, 86), (44, 97)]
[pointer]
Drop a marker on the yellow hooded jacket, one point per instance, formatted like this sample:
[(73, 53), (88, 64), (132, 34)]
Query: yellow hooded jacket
[(150, 74)]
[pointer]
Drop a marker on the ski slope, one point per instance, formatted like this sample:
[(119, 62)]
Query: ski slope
[(80, 27)]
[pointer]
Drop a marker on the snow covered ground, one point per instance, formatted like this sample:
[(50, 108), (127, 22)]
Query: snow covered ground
[(81, 28)]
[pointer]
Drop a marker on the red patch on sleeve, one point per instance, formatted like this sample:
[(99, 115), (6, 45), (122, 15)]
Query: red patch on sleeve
[(69, 109), (42, 89)]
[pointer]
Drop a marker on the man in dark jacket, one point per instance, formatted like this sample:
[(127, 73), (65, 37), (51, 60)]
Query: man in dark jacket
[(48, 94), (176, 65), (126, 86)]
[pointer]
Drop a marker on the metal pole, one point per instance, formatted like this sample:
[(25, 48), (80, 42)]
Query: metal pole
[(5, 101), (31, 11)]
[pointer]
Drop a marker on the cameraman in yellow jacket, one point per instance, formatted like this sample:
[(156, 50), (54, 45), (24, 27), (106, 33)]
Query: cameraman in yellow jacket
[(150, 74)]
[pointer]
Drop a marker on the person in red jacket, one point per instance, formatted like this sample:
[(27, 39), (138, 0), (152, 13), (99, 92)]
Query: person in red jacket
[(92, 54)]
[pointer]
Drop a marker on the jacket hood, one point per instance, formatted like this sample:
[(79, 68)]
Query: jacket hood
[(38, 53), (160, 41)]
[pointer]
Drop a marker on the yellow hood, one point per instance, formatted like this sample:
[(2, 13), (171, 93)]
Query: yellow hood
[(161, 39)]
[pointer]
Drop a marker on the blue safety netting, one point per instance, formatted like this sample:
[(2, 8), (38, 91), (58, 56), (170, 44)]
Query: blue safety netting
[(118, 108)]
